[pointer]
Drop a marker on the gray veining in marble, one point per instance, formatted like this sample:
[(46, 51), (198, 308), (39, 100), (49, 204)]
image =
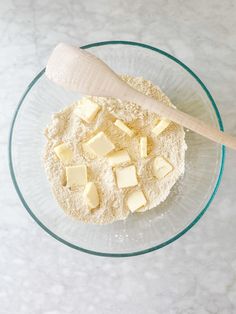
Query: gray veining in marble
[(196, 274)]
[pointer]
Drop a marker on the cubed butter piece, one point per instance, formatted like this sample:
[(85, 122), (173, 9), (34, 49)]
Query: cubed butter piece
[(143, 147), (136, 200), (161, 126), (91, 195), (161, 167), (100, 144), (126, 177), (76, 175), (87, 110), (123, 127), (119, 157), (64, 153)]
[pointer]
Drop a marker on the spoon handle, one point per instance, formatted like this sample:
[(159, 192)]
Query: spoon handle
[(180, 117)]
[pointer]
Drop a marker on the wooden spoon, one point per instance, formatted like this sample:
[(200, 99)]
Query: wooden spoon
[(78, 70)]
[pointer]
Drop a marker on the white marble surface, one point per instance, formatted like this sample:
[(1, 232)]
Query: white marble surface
[(196, 274)]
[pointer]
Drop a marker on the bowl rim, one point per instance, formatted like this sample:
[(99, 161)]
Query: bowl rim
[(153, 248)]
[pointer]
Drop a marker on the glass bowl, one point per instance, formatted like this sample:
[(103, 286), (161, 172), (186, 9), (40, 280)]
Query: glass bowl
[(140, 233)]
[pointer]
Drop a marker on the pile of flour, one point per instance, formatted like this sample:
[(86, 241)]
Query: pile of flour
[(67, 127)]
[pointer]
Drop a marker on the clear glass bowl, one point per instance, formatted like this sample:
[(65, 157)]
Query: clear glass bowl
[(140, 233)]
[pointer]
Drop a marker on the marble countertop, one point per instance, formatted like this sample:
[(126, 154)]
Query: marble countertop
[(197, 273)]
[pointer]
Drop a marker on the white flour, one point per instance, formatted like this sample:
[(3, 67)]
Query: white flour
[(67, 127)]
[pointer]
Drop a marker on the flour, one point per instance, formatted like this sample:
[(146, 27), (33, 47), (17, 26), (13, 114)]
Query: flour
[(67, 127)]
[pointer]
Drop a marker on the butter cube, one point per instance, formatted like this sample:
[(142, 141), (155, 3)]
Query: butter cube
[(76, 175), (91, 195), (100, 145), (64, 153), (87, 110), (126, 177), (161, 167), (143, 147), (136, 200), (124, 128), (119, 157), (161, 126)]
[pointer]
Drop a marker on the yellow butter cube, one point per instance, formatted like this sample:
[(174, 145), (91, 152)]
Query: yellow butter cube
[(100, 144), (119, 157), (64, 153), (143, 147), (136, 200), (91, 195), (76, 175), (161, 167), (161, 126), (126, 177), (87, 110), (123, 127)]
